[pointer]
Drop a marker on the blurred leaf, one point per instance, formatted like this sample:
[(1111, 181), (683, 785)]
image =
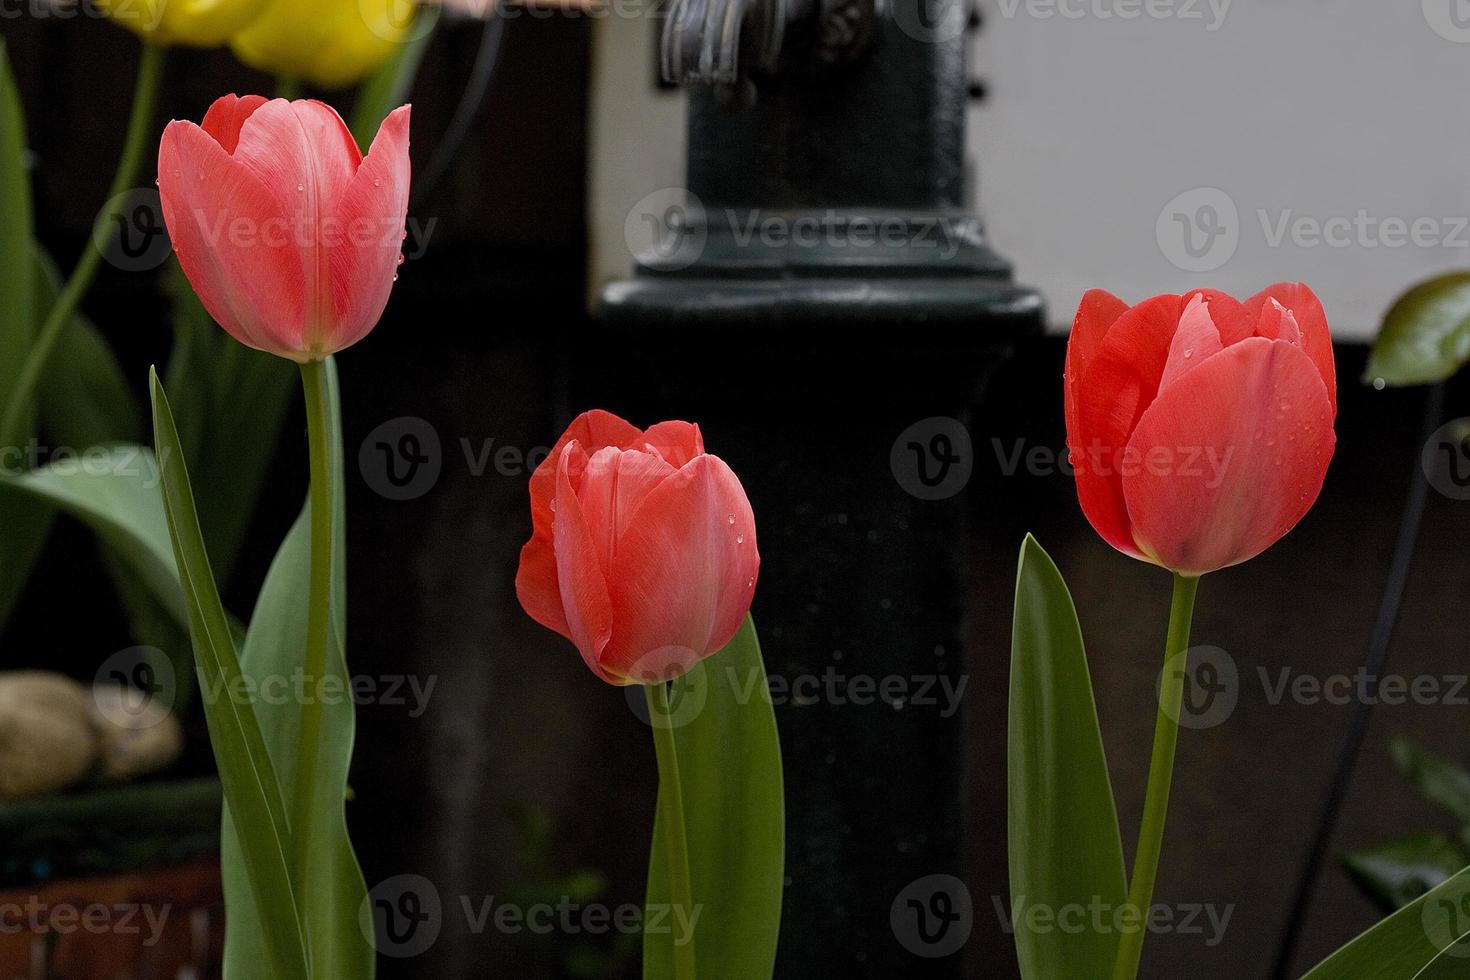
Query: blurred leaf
[(1437, 778), (1397, 873), (1426, 334), (26, 521), (85, 399), (1452, 964), (1064, 844), (390, 86), (251, 788), (734, 811), (17, 314), (1401, 945), (275, 647), (114, 491), (236, 400)]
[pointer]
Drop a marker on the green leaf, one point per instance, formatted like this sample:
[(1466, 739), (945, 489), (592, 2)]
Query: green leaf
[(114, 491), (1397, 873), (390, 85), (1452, 964), (251, 788), (26, 522), (276, 648), (1426, 334), (17, 312), (1437, 778), (1065, 849), (735, 819), (85, 399), (1406, 942)]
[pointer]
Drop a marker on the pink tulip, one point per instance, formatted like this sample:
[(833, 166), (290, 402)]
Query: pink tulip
[(1200, 427), (643, 548), (290, 236)]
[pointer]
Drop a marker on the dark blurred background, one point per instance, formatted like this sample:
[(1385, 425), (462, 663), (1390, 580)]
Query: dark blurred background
[(526, 776)]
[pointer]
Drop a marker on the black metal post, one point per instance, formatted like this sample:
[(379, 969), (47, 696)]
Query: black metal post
[(825, 305)]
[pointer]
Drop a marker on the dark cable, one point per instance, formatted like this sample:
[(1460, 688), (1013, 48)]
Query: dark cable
[(477, 89), (1359, 714)]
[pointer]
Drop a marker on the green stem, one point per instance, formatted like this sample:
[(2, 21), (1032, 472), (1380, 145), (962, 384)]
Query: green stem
[(140, 127), (319, 613), (671, 801), (1160, 776), (288, 87)]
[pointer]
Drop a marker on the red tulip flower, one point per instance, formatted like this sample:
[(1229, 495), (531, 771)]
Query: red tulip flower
[(1200, 427), (290, 236), (643, 550)]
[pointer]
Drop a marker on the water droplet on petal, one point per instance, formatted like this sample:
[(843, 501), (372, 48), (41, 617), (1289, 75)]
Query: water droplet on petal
[(731, 518), (395, 277), (1188, 353), (740, 538), (553, 505), (301, 188), (400, 258)]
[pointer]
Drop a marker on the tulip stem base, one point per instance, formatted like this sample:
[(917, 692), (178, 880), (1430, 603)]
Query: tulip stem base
[(319, 611), (1160, 777), (671, 809), (19, 402)]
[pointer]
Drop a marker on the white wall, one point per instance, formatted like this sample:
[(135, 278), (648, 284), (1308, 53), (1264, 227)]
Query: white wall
[(1295, 109), (1347, 117)]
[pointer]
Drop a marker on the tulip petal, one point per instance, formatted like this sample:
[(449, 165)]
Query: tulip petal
[(584, 592), (684, 572), (1307, 310), (536, 580), (303, 153), (1121, 381), (227, 116), (676, 442), (371, 218), (1231, 457), (1196, 339), (216, 212), (613, 487), (1277, 323), (1097, 312), (1230, 316)]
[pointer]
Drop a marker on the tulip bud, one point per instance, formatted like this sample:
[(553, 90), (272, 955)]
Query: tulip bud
[(290, 236), (197, 23), (331, 43), (643, 550), (1200, 428)]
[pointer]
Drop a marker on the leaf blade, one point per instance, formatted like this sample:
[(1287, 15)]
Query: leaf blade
[(1426, 334), (251, 787), (732, 790), (1062, 824), (1400, 945)]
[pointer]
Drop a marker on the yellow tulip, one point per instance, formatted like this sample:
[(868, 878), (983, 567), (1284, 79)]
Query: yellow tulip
[(331, 43), (198, 23)]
